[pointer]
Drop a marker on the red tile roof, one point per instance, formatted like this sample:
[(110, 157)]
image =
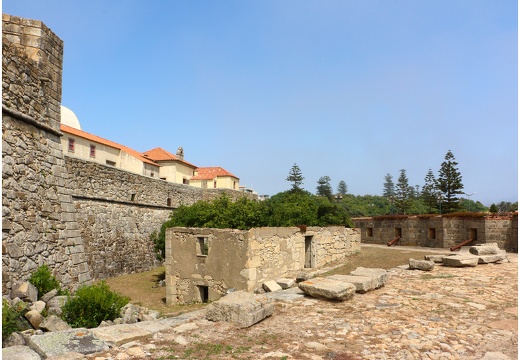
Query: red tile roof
[(209, 173), (83, 134), (159, 154)]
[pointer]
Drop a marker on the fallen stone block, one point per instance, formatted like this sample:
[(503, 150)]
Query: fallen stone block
[(285, 283), (436, 258), (240, 308), (328, 289), (271, 286), (61, 342), (302, 277), (288, 296), (380, 274), (25, 291), (45, 298), (19, 352), (120, 334), (487, 259), (35, 318), (54, 323), (362, 283), (485, 249), (424, 265), (460, 260), (68, 356)]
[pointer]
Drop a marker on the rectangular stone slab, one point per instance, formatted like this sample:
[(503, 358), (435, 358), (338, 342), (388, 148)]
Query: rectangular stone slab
[(121, 334), (329, 289), (380, 274), (61, 342), (362, 283)]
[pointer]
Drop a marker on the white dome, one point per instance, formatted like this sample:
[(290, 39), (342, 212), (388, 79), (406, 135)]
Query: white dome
[(69, 118)]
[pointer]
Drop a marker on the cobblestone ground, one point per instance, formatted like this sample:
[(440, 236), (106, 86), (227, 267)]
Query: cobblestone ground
[(448, 313)]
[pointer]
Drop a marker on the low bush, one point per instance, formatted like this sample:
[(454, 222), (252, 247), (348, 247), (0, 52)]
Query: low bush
[(9, 320), (91, 305), (44, 281)]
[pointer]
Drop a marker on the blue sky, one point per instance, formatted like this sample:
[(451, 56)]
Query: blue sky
[(349, 89)]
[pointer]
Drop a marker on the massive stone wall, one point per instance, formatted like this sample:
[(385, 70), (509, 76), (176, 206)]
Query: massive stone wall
[(38, 217)]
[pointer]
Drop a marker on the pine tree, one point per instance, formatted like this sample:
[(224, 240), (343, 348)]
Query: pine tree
[(449, 183), (342, 188), (403, 193), (324, 188), (429, 193), (388, 187), (296, 177)]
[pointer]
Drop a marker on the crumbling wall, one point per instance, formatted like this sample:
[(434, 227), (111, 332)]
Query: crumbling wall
[(243, 260)]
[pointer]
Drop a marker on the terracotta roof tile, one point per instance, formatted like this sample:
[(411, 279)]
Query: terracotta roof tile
[(208, 173), (83, 134), (159, 154)]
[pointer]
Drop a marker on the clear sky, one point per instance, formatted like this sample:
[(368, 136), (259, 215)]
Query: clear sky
[(349, 89)]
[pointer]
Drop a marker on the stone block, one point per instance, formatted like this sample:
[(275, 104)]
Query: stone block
[(486, 259), (460, 260), (34, 317), (271, 286), (120, 334), (380, 274), (485, 249), (285, 283), (302, 277), (25, 291), (19, 352), (240, 308), (328, 289), (54, 323), (424, 265), (436, 258), (61, 342), (362, 283)]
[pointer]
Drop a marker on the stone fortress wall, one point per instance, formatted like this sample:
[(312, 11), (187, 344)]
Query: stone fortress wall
[(84, 220)]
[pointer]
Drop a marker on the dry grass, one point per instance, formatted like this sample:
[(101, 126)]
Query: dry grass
[(143, 288)]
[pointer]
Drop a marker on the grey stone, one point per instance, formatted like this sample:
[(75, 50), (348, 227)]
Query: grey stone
[(57, 301), (54, 323), (424, 265), (68, 356), (328, 289), (25, 291), (302, 277), (380, 274), (271, 286), (460, 260), (62, 342), (14, 339), (38, 306), (486, 259), (362, 283), (285, 283), (45, 298), (130, 314), (288, 295), (240, 308), (19, 352), (436, 258), (35, 318), (485, 249), (120, 334)]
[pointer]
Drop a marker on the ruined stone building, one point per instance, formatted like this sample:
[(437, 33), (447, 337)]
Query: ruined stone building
[(202, 264), (438, 231)]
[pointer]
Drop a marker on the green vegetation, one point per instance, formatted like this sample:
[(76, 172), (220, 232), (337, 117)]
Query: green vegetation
[(9, 320), (44, 281), (93, 304)]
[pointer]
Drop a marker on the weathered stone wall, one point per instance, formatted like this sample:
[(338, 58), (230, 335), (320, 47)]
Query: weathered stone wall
[(245, 259), (440, 231), (38, 217)]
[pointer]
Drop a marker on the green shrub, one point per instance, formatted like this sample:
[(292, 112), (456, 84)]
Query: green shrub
[(44, 281), (93, 304), (9, 320)]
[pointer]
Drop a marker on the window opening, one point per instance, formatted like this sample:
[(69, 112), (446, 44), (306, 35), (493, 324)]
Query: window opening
[(431, 233), (202, 246), (110, 163), (92, 151), (473, 234), (132, 197), (71, 144), (169, 202), (397, 232), (215, 184), (369, 232)]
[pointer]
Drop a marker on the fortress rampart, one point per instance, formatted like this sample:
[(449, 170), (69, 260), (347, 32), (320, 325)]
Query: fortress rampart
[(84, 220)]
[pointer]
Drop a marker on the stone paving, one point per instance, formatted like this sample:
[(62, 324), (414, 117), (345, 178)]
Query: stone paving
[(447, 313)]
